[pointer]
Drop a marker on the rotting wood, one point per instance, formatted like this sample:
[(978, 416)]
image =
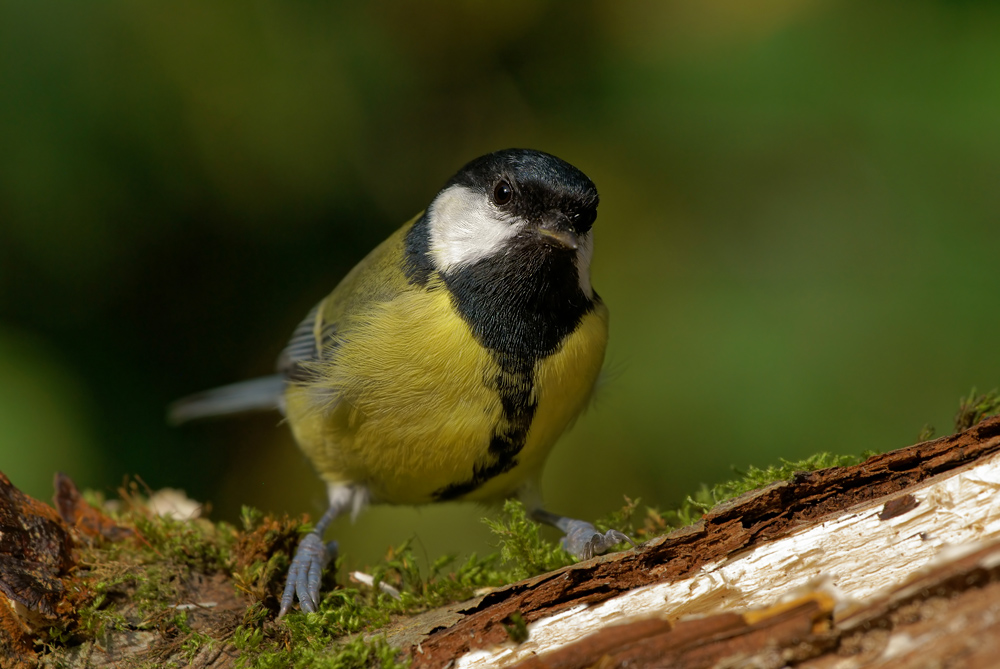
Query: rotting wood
[(945, 616), (751, 521)]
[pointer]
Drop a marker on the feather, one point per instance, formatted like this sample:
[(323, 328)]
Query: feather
[(261, 394)]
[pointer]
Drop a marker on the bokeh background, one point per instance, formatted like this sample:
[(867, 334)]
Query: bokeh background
[(799, 235)]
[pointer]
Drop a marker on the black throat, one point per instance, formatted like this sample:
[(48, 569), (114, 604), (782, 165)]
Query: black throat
[(521, 304)]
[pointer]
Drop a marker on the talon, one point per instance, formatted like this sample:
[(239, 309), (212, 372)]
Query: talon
[(306, 572), (584, 541)]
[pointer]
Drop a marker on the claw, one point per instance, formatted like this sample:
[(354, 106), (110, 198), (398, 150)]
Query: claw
[(584, 541), (305, 573)]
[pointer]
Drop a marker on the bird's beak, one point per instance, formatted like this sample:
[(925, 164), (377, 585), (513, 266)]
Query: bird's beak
[(557, 232)]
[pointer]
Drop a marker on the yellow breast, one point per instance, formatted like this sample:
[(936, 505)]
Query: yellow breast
[(403, 405)]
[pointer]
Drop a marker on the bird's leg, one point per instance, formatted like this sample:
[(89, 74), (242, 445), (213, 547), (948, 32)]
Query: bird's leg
[(582, 539), (312, 555)]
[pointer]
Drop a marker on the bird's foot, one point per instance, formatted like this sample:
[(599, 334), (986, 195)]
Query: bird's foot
[(584, 541), (305, 572)]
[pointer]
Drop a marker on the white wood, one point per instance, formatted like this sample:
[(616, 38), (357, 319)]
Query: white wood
[(853, 557)]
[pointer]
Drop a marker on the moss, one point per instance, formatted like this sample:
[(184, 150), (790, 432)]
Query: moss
[(327, 638), (972, 409), (193, 644), (359, 653), (198, 545), (975, 407), (622, 519), (261, 554), (330, 636), (135, 584), (522, 549), (516, 627), (445, 581), (658, 521)]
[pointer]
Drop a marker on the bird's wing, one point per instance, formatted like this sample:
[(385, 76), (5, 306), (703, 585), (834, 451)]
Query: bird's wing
[(303, 346)]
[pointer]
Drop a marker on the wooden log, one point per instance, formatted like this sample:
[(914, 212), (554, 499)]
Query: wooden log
[(891, 562), (852, 535)]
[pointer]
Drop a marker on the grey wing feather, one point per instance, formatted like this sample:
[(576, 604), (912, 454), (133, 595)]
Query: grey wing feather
[(260, 394), (301, 347)]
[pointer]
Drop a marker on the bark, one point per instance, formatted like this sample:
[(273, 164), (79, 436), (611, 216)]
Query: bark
[(815, 568)]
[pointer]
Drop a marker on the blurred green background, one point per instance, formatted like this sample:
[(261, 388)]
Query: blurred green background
[(799, 235)]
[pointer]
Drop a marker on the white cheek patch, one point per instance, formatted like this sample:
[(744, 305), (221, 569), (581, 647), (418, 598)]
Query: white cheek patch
[(584, 254), (465, 227)]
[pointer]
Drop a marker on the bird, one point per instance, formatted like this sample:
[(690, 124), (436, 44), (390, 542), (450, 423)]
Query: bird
[(446, 364)]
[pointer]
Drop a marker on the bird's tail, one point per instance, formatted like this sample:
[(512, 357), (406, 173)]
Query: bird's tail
[(260, 394)]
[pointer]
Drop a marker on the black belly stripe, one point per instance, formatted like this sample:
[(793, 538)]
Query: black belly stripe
[(514, 384)]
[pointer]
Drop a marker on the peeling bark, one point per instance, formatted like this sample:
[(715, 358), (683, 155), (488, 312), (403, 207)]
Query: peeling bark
[(824, 502)]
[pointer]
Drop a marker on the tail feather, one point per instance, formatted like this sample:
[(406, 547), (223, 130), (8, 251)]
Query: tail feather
[(260, 394)]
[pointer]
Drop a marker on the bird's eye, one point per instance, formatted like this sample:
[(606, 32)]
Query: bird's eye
[(502, 193), (584, 221)]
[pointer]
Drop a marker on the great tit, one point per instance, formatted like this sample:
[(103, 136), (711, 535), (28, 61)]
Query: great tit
[(447, 363)]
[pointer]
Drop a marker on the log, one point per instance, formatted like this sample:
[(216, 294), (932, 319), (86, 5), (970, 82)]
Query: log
[(838, 541), (893, 561)]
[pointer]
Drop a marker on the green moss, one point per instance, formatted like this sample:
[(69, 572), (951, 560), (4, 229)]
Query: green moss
[(197, 544), (193, 644), (522, 549), (445, 581), (754, 478), (123, 595), (972, 409), (976, 407), (314, 653), (516, 627), (134, 582), (329, 636), (247, 639), (658, 521)]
